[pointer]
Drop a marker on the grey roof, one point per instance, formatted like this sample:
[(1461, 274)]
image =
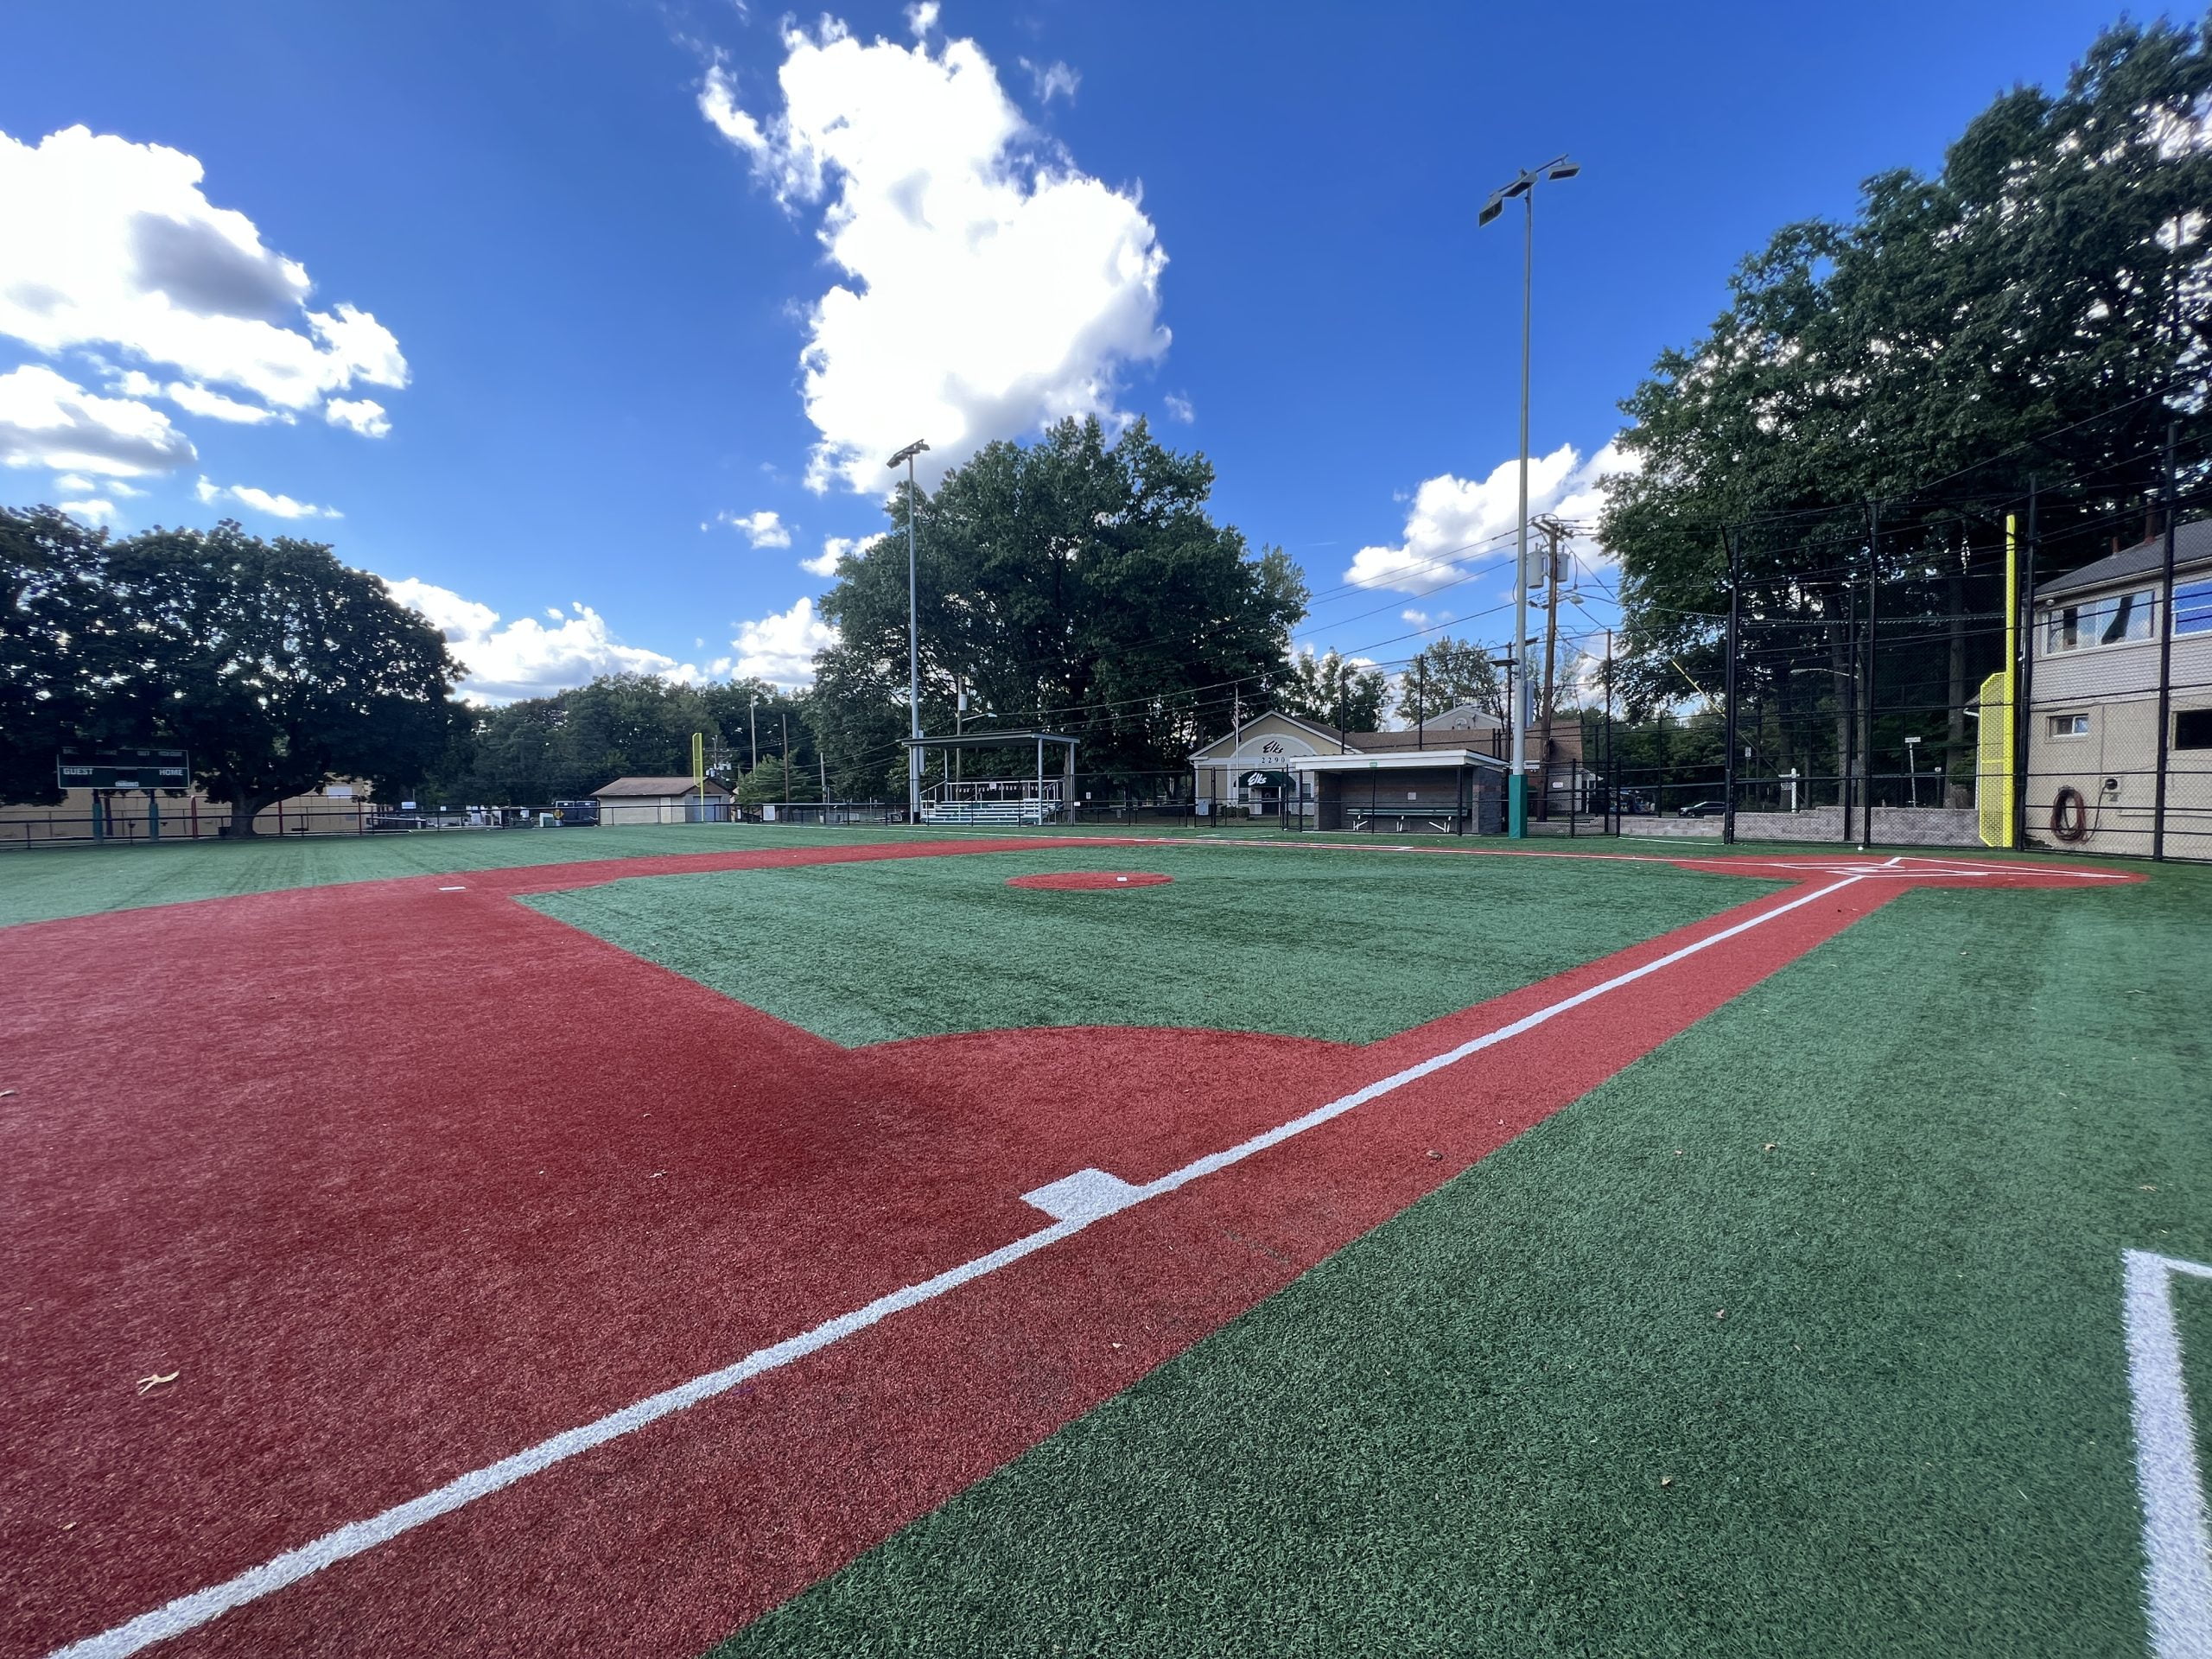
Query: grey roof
[(650, 786), (2192, 545)]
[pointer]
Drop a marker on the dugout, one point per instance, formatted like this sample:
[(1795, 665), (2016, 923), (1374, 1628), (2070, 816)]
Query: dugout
[(1407, 792)]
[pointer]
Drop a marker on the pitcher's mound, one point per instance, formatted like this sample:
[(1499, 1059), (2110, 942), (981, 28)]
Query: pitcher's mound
[(1091, 879)]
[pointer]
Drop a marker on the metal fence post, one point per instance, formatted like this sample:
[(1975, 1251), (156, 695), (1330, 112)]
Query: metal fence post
[(2165, 627), (1728, 696)]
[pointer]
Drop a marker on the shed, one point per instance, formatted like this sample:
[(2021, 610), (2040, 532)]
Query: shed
[(662, 800)]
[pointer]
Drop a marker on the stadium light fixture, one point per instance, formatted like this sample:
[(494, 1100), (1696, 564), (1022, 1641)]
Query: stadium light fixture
[(913, 639), (1523, 185)]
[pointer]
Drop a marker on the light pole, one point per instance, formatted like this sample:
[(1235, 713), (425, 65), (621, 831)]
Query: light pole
[(913, 639), (1912, 768), (1524, 185)]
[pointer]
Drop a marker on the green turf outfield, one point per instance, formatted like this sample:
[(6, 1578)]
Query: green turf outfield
[(1910, 1435), (1345, 946), (50, 882)]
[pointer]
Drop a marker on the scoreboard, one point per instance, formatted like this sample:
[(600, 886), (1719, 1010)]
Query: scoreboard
[(148, 769)]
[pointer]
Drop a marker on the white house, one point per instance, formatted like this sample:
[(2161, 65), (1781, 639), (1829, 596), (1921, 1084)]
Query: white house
[(2092, 725)]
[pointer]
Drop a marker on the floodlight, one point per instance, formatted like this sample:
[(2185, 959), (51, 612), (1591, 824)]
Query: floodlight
[(1491, 209), (1563, 169), (907, 454)]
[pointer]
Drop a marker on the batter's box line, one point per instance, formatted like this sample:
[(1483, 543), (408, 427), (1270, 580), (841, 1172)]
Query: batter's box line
[(2176, 1542)]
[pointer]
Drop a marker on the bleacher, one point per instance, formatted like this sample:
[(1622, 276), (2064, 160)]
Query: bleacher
[(1000, 811)]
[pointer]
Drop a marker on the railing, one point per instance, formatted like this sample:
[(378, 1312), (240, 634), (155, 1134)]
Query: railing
[(980, 789)]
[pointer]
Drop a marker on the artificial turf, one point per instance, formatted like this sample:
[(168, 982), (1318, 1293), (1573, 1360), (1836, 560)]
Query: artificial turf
[(48, 883), (1513, 1420), (1348, 948)]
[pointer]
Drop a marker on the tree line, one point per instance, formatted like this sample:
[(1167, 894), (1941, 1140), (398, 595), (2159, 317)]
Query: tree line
[(276, 666), (2035, 320)]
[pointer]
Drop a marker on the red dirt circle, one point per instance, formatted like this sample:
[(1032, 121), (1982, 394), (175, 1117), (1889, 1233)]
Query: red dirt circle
[(1091, 879)]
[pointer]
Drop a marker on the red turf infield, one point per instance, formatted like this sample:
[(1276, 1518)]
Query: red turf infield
[(311, 1173)]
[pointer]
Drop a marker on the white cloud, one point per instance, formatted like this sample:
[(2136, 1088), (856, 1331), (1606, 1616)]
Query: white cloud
[(1455, 524), (198, 400), (1051, 80), (529, 658), (276, 506), (78, 484), (921, 18), (761, 529), (781, 648), (361, 414), (48, 420), (93, 512), (111, 243), (834, 548), (991, 287), (1178, 408)]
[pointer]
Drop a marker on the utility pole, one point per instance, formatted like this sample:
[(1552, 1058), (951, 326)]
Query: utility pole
[(1553, 530), (752, 734), (787, 752)]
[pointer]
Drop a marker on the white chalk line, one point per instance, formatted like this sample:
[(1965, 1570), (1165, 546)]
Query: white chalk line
[(2176, 1540), (189, 1612)]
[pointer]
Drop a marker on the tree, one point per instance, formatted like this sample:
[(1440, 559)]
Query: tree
[(279, 668), (1334, 691), (1447, 673), (1070, 583), (2037, 311), (51, 599)]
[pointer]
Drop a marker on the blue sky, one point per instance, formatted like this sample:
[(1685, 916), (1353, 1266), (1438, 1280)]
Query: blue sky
[(520, 292)]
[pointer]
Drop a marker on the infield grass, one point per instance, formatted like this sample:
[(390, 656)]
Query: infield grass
[(1295, 940), (1512, 1422)]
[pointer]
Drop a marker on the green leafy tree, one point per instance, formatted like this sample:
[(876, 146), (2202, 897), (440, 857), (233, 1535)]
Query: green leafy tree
[(1331, 690), (1070, 583), (279, 668), (1446, 674), (54, 618), (2037, 311)]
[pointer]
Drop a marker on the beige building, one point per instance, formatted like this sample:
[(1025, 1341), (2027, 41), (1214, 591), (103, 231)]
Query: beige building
[(662, 800), (2093, 715)]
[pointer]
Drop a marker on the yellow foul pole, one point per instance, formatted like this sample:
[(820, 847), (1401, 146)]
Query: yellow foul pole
[(1996, 788)]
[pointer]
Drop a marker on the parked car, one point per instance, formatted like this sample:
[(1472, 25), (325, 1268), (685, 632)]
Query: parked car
[(1703, 810)]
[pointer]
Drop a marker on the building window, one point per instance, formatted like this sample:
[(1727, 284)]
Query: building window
[(2193, 728), (2110, 621), (2070, 725), (2193, 608)]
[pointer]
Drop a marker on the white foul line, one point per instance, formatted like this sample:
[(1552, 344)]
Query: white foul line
[(2176, 1543), (188, 1612)]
